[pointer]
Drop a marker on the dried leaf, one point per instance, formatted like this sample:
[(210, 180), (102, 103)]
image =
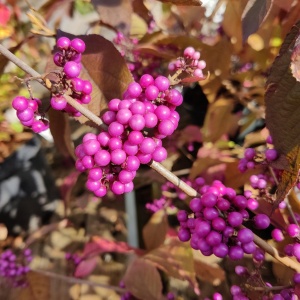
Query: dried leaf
[(255, 12), (105, 68), (61, 132), (183, 2), (115, 12), (143, 280), (282, 112), (86, 266), (175, 259), (155, 231)]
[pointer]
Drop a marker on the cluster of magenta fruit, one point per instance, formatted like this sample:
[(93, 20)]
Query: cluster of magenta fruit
[(214, 225), (170, 192), (250, 155), (69, 58), (136, 126), (190, 63), (28, 113), (14, 267)]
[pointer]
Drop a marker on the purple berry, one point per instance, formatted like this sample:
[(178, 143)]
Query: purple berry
[(20, 103), (63, 43), (261, 221), (58, 103), (71, 69), (78, 45)]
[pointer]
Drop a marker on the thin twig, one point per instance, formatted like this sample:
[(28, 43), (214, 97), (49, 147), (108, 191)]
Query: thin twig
[(154, 165), (79, 281), (267, 288), (18, 62)]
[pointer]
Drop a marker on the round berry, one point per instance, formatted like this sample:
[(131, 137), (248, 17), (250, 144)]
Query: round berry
[(58, 103), (146, 80), (20, 103), (261, 221), (162, 83), (71, 69), (87, 87), (151, 92), (25, 115), (159, 154), (63, 43), (78, 45), (134, 89)]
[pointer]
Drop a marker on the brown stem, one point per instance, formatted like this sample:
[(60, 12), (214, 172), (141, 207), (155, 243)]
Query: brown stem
[(154, 165)]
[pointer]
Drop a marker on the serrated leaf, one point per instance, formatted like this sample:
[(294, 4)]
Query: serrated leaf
[(283, 111), (105, 68), (155, 231), (143, 280), (253, 16)]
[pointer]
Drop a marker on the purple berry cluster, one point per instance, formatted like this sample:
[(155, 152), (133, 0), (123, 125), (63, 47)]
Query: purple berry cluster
[(14, 267), (189, 63), (214, 227), (136, 126), (250, 156), (170, 192), (69, 57), (28, 114)]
